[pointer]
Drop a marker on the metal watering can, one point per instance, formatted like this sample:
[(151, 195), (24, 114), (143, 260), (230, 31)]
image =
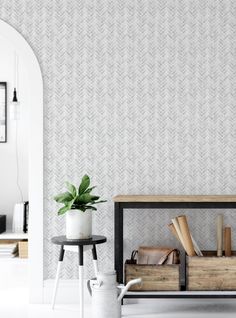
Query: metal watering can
[(107, 294)]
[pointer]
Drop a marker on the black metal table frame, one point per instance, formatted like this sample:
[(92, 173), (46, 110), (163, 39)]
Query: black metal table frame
[(119, 240)]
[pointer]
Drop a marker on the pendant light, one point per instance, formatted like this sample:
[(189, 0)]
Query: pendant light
[(15, 105)]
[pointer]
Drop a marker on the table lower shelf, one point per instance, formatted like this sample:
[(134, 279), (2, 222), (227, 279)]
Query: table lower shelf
[(182, 294)]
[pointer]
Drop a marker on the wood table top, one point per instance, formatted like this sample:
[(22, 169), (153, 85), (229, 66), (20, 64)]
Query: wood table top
[(175, 198)]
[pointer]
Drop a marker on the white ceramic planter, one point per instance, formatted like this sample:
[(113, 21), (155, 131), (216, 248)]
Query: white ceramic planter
[(78, 224)]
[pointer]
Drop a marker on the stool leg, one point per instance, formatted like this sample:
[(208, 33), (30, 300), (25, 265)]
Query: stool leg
[(95, 260), (81, 281), (62, 252)]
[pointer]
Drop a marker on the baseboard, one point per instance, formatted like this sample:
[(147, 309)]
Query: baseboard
[(68, 291)]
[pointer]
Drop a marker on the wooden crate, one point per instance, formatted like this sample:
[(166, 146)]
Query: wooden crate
[(211, 272), (23, 249), (154, 277)]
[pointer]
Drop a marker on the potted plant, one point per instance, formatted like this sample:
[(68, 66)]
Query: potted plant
[(78, 206)]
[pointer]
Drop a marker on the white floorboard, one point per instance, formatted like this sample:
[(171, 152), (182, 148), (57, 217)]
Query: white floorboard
[(14, 304)]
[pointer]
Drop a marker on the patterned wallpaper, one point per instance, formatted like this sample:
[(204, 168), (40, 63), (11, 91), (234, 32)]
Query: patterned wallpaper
[(141, 95)]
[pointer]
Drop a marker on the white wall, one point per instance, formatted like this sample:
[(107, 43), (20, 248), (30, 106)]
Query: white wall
[(9, 193), (141, 96)]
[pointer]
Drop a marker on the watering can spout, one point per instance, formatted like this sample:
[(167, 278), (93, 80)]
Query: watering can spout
[(127, 286)]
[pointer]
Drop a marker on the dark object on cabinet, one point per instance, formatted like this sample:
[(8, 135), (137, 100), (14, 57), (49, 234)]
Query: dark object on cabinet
[(3, 219), (26, 216)]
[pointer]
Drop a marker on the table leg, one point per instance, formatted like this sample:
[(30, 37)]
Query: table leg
[(61, 257), (119, 242), (95, 260), (81, 281)]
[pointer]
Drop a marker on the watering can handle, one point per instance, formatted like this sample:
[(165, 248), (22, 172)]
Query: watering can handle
[(95, 282), (89, 287)]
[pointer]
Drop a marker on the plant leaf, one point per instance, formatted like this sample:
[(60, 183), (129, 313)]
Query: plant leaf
[(89, 189), (84, 198), (81, 208), (77, 206), (89, 207), (84, 184), (72, 189), (101, 201), (63, 197), (63, 210), (94, 198)]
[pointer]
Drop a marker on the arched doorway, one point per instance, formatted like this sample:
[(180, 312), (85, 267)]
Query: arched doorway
[(35, 159)]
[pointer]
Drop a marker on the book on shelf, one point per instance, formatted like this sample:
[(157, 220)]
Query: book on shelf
[(8, 250), (9, 247), (8, 256)]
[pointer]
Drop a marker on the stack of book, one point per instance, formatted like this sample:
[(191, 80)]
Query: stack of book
[(8, 250)]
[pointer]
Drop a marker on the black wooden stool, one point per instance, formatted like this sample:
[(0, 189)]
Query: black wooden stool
[(78, 246)]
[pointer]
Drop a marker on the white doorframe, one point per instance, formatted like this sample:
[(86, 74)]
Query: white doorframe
[(35, 159)]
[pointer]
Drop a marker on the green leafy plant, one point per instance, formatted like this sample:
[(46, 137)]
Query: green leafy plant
[(78, 198)]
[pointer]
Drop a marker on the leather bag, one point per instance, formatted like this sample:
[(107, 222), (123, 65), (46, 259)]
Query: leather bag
[(153, 255)]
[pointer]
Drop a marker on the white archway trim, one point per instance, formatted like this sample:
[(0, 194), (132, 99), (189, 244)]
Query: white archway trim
[(35, 159)]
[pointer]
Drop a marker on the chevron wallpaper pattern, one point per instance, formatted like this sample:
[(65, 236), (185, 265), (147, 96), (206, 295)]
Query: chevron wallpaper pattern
[(141, 95)]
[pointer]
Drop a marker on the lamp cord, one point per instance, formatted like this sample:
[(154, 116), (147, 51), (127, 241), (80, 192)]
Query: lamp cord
[(16, 65), (17, 164), (16, 62)]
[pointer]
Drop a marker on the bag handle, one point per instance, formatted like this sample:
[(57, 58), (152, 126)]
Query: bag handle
[(133, 255), (162, 259), (165, 256)]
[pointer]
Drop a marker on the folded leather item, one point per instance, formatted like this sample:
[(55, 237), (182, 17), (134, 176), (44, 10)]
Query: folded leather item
[(153, 255)]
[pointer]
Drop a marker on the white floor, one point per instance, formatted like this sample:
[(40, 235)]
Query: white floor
[(14, 304)]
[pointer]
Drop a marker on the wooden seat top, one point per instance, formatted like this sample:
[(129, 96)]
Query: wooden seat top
[(62, 240), (175, 198)]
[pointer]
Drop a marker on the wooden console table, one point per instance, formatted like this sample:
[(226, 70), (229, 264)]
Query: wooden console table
[(166, 202)]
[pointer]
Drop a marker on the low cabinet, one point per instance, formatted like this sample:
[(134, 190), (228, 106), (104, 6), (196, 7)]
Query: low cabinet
[(123, 202)]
